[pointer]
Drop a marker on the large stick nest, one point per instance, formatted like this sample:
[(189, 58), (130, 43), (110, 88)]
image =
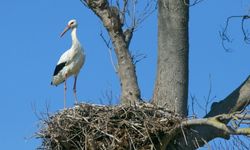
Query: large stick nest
[(121, 127)]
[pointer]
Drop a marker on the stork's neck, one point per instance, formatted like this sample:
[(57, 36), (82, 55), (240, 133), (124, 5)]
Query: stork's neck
[(75, 42)]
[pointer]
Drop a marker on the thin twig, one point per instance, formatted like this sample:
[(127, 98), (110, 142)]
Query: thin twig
[(109, 50), (225, 37), (184, 135), (195, 2)]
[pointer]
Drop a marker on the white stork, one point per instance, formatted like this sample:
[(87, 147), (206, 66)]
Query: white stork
[(70, 61)]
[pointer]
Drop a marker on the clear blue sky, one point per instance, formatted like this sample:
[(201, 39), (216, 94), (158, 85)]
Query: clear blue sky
[(31, 46)]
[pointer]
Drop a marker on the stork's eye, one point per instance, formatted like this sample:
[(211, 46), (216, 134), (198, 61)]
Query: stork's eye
[(72, 23)]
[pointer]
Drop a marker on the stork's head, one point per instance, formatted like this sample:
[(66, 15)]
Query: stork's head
[(71, 24)]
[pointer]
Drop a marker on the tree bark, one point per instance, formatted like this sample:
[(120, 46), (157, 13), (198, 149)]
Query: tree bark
[(109, 15), (171, 88)]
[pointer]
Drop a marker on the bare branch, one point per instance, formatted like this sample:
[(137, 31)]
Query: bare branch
[(243, 116), (84, 3), (195, 2), (110, 51), (192, 106), (133, 13), (110, 17), (245, 32), (209, 99), (216, 122), (137, 57), (148, 10), (194, 99), (235, 102), (225, 37)]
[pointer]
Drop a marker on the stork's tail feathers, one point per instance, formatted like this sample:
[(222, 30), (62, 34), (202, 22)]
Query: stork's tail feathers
[(51, 83), (56, 81)]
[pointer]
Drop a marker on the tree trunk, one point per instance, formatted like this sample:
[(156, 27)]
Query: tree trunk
[(126, 69), (110, 18), (171, 88)]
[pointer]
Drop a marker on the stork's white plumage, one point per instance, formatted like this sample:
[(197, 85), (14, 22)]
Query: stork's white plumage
[(70, 62)]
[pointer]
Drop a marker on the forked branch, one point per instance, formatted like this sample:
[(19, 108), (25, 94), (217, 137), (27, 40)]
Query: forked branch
[(115, 16), (111, 19), (218, 122)]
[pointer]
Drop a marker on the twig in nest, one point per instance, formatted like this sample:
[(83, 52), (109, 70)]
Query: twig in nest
[(184, 135)]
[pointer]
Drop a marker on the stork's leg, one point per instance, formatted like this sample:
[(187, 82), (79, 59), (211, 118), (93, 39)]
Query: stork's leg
[(65, 88), (74, 89)]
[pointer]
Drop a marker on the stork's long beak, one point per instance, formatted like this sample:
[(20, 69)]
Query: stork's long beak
[(65, 30)]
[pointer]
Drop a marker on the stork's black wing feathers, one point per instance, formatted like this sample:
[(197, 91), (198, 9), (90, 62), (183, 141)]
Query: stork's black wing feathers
[(58, 68)]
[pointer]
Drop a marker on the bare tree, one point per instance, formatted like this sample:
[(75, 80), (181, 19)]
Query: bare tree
[(171, 87), (225, 118)]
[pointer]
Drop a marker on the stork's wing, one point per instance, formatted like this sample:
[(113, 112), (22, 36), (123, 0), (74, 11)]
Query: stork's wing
[(62, 62), (59, 67)]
